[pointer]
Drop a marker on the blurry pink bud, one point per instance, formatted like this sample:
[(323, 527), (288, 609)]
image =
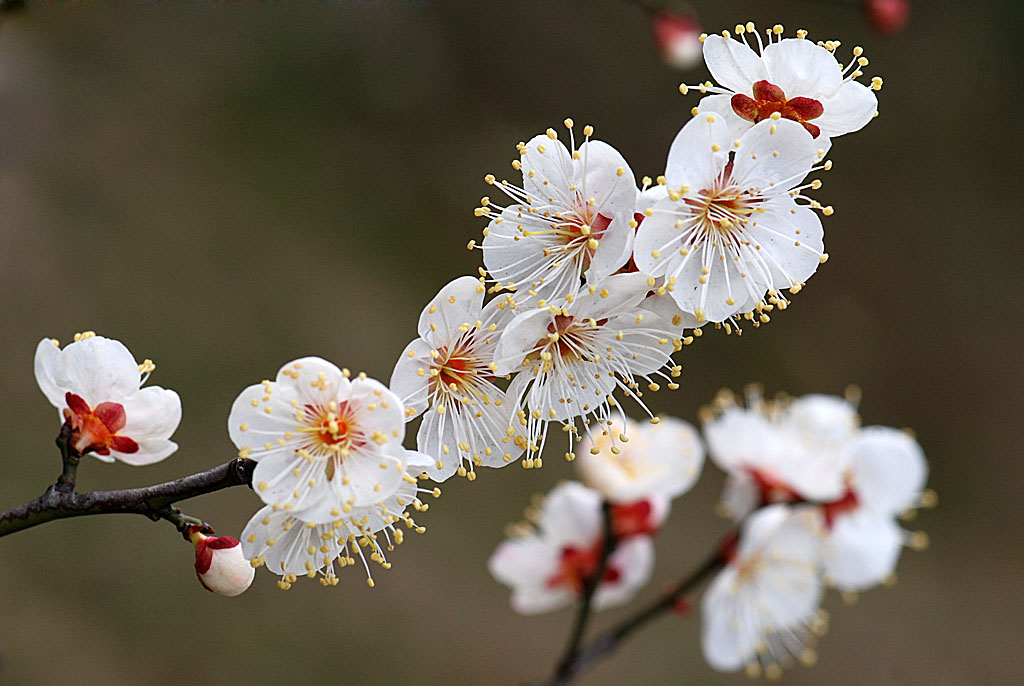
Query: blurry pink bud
[(220, 565), (677, 38), (887, 16)]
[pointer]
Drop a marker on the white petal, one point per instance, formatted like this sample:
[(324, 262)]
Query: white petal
[(698, 153), (48, 367), (757, 164), (732, 64), (802, 68), (151, 450), (547, 174), (571, 515), (523, 560), (722, 105), (153, 412), (410, 379), (314, 380), (889, 469), (740, 438), (616, 294), (99, 370), (848, 110), (458, 303), (520, 339), (634, 560), (862, 550)]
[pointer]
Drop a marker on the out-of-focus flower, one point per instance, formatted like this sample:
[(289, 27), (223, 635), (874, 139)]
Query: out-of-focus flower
[(447, 373), (220, 564), (763, 607), (95, 383), (677, 38), (549, 568), (730, 230), (571, 218), (790, 77), (886, 476), (782, 450), (886, 16), (325, 443), (571, 358), (632, 462), (290, 547)]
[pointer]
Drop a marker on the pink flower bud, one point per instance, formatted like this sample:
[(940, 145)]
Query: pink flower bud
[(220, 565), (677, 38), (887, 16)]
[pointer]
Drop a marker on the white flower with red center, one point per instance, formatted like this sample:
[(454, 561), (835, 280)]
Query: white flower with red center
[(291, 547), (221, 566), (446, 372), (325, 443), (886, 475), (731, 230), (571, 358), (636, 461), (571, 217), (550, 567), (763, 607), (782, 451), (792, 78), (95, 383)]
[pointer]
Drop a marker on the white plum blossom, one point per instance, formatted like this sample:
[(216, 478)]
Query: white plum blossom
[(791, 78), (95, 384), (763, 607), (291, 547), (571, 217), (677, 37), (886, 476), (638, 461), (325, 443), (782, 450), (571, 358), (730, 230), (447, 374), (549, 567), (221, 566)]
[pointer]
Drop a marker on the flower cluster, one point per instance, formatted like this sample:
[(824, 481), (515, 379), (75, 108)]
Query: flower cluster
[(549, 562), (819, 497)]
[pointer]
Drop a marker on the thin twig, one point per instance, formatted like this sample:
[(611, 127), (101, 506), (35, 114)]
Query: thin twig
[(151, 501), (607, 642), (608, 546)]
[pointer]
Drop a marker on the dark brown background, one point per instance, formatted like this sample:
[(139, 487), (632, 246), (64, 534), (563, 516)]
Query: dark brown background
[(228, 188)]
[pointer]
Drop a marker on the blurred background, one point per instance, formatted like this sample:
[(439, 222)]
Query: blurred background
[(228, 188)]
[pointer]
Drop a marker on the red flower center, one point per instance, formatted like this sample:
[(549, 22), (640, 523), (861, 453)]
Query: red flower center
[(769, 99), (94, 430), (632, 519), (576, 566)]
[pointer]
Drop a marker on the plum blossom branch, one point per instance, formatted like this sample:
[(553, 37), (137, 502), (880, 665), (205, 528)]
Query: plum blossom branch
[(566, 664), (153, 502), (605, 644)]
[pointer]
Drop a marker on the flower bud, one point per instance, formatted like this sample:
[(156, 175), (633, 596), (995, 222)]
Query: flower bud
[(677, 38), (887, 16), (221, 566)]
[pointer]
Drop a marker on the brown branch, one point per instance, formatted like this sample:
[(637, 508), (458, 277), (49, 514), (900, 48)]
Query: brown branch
[(153, 502)]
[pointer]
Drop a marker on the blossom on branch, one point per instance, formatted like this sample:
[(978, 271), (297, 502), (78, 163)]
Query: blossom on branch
[(569, 359), (731, 230), (793, 78), (95, 382), (762, 609), (570, 219), (447, 374), (325, 443), (549, 566)]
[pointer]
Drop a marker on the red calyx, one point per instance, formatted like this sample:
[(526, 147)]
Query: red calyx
[(769, 99), (205, 547), (94, 430), (632, 519), (847, 503), (576, 566)]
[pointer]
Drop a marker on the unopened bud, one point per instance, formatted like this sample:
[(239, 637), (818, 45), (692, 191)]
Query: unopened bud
[(221, 566), (887, 16), (677, 38)]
